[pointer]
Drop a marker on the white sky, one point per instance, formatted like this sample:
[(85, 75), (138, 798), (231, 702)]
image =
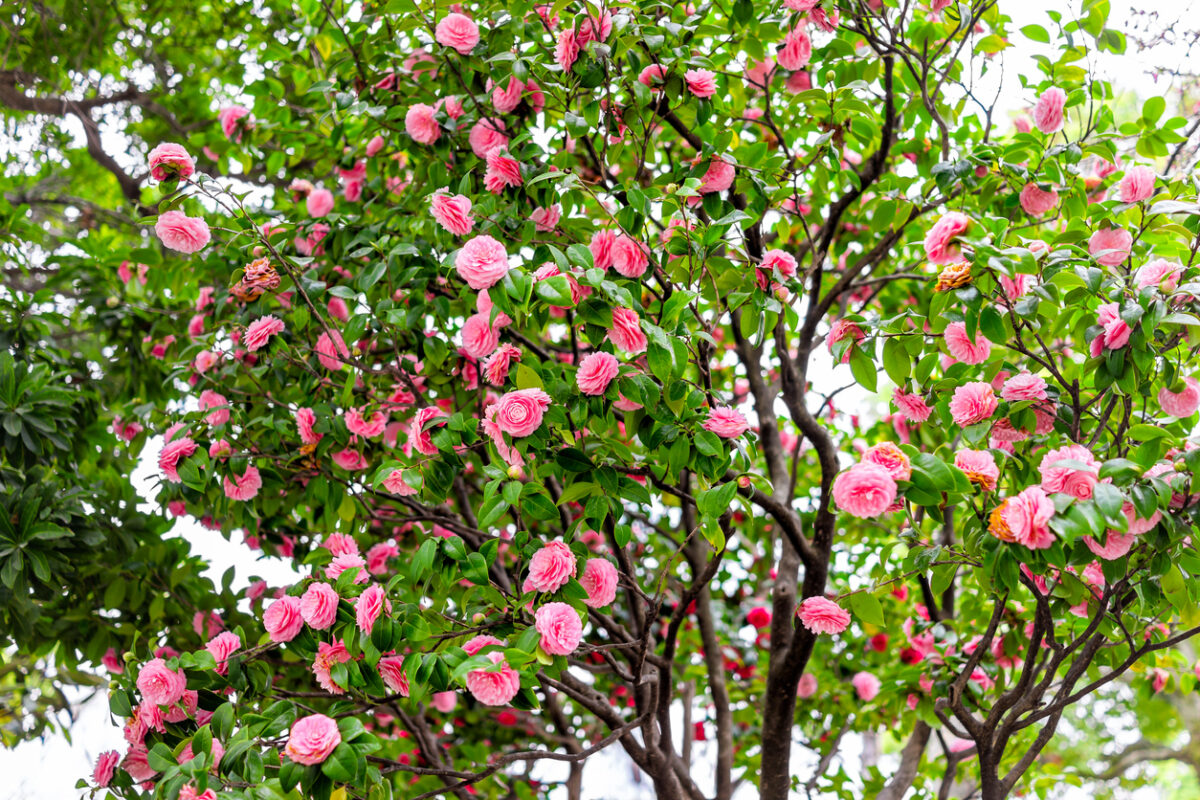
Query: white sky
[(48, 770)]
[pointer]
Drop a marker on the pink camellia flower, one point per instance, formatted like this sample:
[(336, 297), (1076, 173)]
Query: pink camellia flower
[(312, 739), (496, 367), (796, 50), (1016, 286), (505, 99), (494, 688), (374, 146), (283, 619), (172, 452), (331, 350), (1024, 386), (180, 232), (864, 490), (111, 662), (482, 262), (566, 49), (973, 403), (1160, 273), (369, 606), (718, 177), (599, 580), (105, 766), (1115, 333), (979, 467), (169, 161), (519, 413), (601, 248), (843, 329), (479, 338), (339, 544), (780, 263), (937, 241), (502, 171), (1037, 201), (221, 448), (550, 568), (912, 406), (420, 124), (807, 686), (822, 615), (229, 117), (244, 486), (359, 425), (653, 76), (759, 617), (453, 212), (476, 643), (626, 332), (380, 553), (1137, 185), (1113, 243), (560, 628), (210, 399), (629, 256), (160, 685), (595, 372), (726, 422), (421, 439), (259, 332), (190, 792), (305, 420), (545, 219), (700, 82), (963, 348), (457, 31), (1025, 519), (345, 561), (1115, 546), (391, 670), (486, 135), (222, 646), (1048, 113), (1183, 403), (1071, 470), (866, 686), (890, 457), (318, 606)]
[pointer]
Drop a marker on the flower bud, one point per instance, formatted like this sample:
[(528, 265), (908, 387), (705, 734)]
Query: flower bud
[(113, 302)]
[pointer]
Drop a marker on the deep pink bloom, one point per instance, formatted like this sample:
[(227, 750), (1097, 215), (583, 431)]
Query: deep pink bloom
[(626, 332), (420, 124), (359, 425), (453, 212), (566, 49), (244, 486), (599, 580), (345, 561), (486, 135), (550, 568), (796, 50), (1183, 403), (105, 766), (319, 202), (497, 365), (545, 219), (421, 439), (1027, 516), (494, 688), (331, 350), (381, 552), (222, 646), (503, 171), (912, 406), (963, 348), (1116, 330), (1137, 185), (1048, 113), (601, 247), (653, 76), (112, 662), (560, 628), (866, 686), (1160, 273), (259, 332), (979, 467), (726, 422), (210, 399), (457, 31), (629, 256), (312, 739), (1114, 243), (180, 232), (374, 146), (369, 606), (519, 413), (779, 262), (174, 451), (170, 160), (1037, 201), (391, 670), (718, 177), (1115, 545), (318, 606), (229, 117), (595, 372), (700, 82), (937, 241), (160, 685), (482, 262), (864, 490), (305, 420), (972, 403), (283, 620), (890, 457), (822, 615)]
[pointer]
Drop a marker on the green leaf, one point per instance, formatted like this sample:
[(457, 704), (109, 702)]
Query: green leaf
[(341, 765), (866, 607), (863, 368)]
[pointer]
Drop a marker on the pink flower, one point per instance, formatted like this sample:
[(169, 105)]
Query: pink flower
[(210, 399), (319, 202), (479, 642), (1048, 113), (453, 212), (1183, 403), (653, 76), (486, 135), (173, 451), (1024, 386), (807, 686), (318, 606), (566, 50), (446, 701), (759, 617), (865, 490), (629, 257), (283, 620), (1137, 185), (1114, 243), (180, 232), (169, 161), (1115, 333), (420, 124), (519, 413), (1036, 201), (503, 171), (1016, 286), (331, 350), (979, 467), (160, 685), (545, 219), (912, 406), (459, 32), (391, 670), (972, 403), (482, 262), (305, 420), (1115, 545), (1076, 479), (382, 552), (595, 372), (700, 82), (779, 262), (496, 367), (560, 628), (244, 486), (111, 662), (937, 241), (796, 50), (626, 332), (339, 544), (843, 329), (494, 688), (329, 656), (1027, 518), (228, 118), (726, 422), (890, 457), (1160, 273), (718, 177), (866, 686), (601, 247), (421, 439), (360, 426), (260, 331), (599, 580), (374, 146), (312, 739), (551, 567), (822, 615), (105, 766), (963, 348), (346, 561), (189, 792), (222, 646), (369, 606)]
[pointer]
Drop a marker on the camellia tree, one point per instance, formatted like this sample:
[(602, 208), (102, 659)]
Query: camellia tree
[(519, 329)]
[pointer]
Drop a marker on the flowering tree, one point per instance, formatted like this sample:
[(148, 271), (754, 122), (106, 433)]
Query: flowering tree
[(519, 330)]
